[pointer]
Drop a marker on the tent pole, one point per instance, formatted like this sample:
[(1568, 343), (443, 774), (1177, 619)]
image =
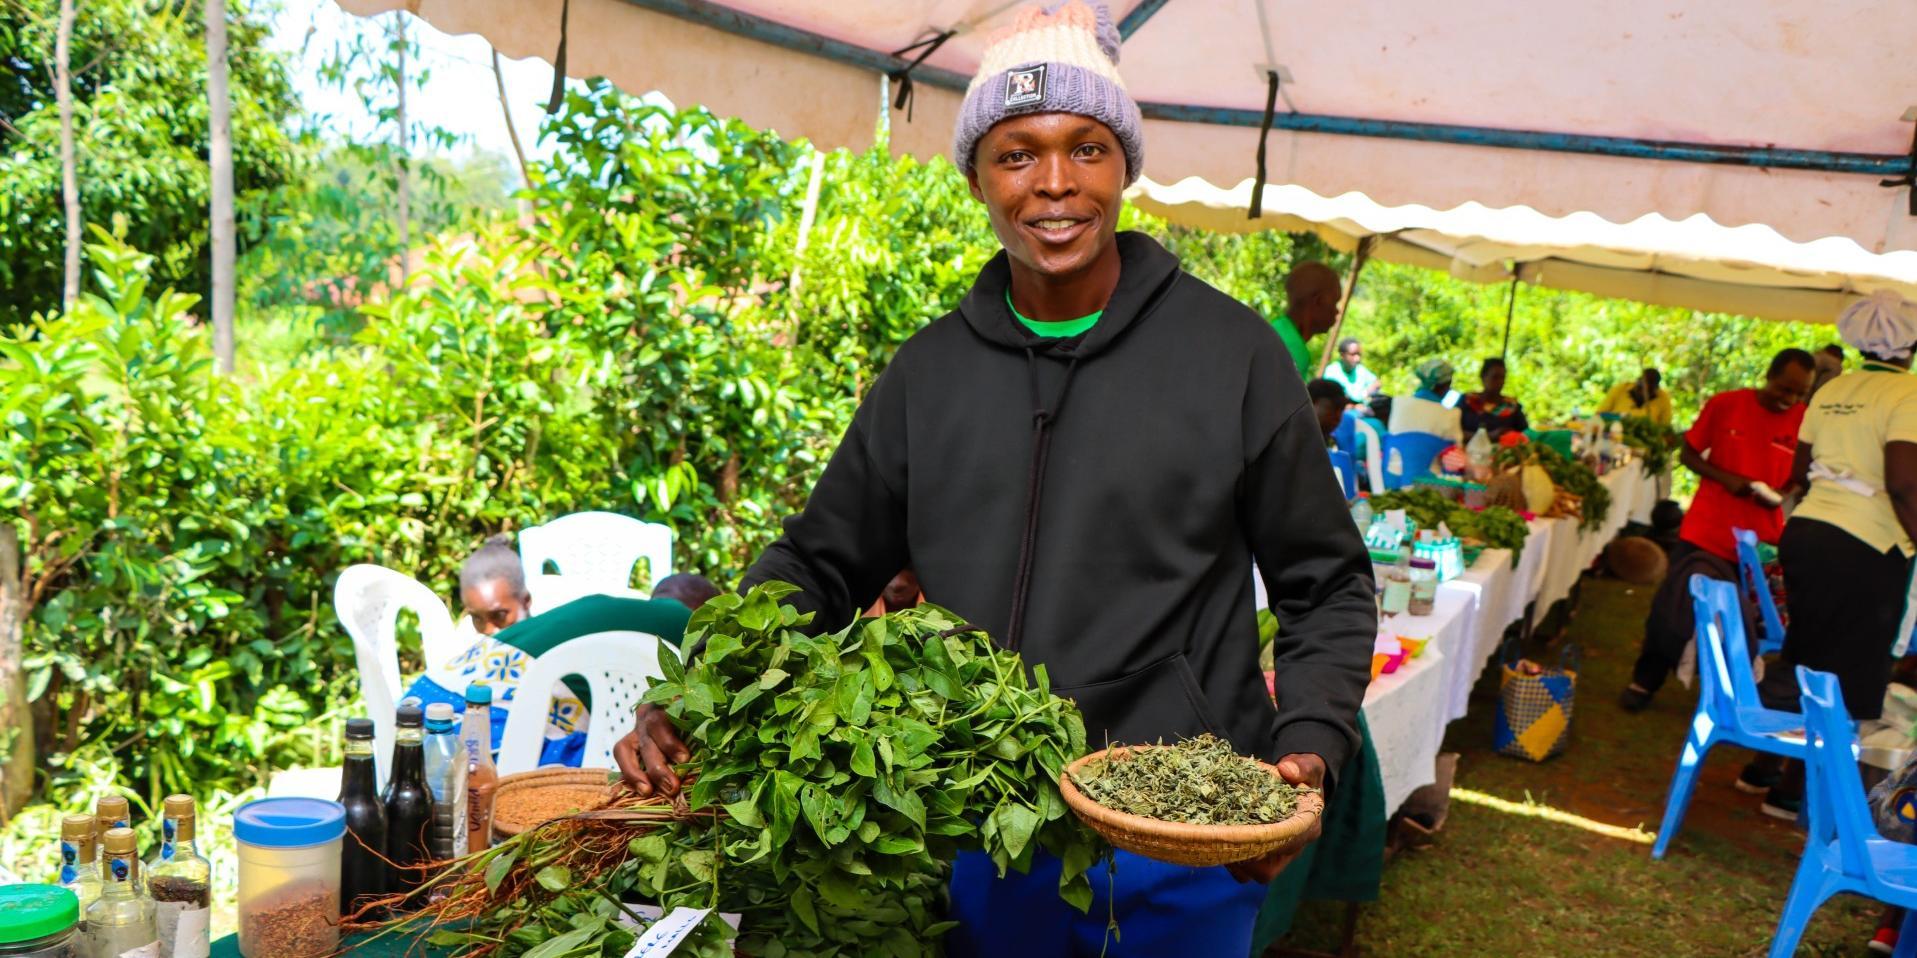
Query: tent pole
[(1510, 307), (1358, 261)]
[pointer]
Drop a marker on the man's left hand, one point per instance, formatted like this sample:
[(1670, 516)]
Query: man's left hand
[(1298, 768)]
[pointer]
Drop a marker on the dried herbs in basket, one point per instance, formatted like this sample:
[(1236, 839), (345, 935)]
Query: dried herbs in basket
[(1199, 781), (833, 777)]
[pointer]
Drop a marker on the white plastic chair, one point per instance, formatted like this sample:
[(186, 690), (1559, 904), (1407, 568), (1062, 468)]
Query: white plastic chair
[(594, 552), (368, 600), (618, 667), (1374, 455)]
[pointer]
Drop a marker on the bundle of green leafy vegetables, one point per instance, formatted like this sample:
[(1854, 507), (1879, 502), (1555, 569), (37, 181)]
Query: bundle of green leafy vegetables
[(1568, 474), (1496, 526), (847, 770), (1652, 441)]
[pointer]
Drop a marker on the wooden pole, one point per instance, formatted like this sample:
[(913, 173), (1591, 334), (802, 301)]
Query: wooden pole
[(1510, 307), (16, 718), (1358, 261), (69, 162), (220, 136), (405, 189), (505, 108)]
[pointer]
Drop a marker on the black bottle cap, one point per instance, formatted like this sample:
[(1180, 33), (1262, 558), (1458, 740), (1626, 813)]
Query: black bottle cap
[(359, 728), (410, 716)]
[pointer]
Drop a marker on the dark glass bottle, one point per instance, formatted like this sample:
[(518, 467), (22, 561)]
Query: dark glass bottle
[(409, 804), (363, 873)]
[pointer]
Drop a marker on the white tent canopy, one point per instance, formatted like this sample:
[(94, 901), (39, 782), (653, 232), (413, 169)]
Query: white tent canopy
[(1692, 263), (1788, 113)]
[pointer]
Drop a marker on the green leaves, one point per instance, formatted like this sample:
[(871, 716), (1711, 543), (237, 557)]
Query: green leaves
[(852, 766)]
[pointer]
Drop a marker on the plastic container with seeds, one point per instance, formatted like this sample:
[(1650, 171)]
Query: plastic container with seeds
[(289, 876)]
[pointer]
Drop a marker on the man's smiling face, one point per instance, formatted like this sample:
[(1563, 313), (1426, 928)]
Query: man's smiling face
[(1053, 185)]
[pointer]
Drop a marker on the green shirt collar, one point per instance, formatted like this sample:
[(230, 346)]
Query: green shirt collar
[(1064, 329)]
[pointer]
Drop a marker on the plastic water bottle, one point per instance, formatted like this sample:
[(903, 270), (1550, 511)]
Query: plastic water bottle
[(446, 778), (1361, 514)]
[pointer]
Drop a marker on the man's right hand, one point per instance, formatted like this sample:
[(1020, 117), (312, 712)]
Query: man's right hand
[(1738, 485), (647, 754)]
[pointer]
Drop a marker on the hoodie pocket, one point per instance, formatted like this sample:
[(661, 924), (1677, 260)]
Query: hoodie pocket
[(1160, 701)]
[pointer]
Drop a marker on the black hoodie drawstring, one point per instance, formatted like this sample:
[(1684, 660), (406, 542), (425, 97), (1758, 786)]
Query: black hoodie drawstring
[(1042, 420)]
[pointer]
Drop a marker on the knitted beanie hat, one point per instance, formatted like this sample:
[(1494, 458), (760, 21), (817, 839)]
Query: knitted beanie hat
[(1062, 60)]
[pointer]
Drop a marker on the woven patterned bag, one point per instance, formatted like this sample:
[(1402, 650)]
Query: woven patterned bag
[(1534, 711)]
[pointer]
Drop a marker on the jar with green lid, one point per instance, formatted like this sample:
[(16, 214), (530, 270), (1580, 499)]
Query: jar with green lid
[(38, 921)]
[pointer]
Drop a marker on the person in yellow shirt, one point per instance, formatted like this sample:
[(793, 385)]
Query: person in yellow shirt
[(1847, 548), (1640, 397)]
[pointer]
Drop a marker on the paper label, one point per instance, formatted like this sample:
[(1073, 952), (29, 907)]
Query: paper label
[(652, 913), (666, 933), (184, 931)]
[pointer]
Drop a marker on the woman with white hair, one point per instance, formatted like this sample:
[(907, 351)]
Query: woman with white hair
[(1847, 549)]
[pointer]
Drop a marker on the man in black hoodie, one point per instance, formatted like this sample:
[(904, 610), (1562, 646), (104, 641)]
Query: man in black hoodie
[(1085, 458)]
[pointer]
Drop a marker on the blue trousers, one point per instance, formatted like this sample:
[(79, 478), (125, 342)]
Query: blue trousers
[(1161, 910)]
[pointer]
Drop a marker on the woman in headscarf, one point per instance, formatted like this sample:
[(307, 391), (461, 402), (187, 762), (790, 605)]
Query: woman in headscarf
[(1425, 410), (1489, 408), (1847, 549)]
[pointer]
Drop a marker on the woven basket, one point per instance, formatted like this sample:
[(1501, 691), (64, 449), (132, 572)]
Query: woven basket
[(527, 799), (1180, 844)]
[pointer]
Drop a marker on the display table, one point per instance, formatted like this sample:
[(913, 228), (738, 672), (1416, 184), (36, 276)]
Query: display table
[(385, 946), (1573, 549), (1406, 708)]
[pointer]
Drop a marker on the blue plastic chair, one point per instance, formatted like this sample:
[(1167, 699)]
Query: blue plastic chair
[(1345, 437), (1727, 706), (1408, 455), (1347, 469), (1845, 852), (1751, 572)]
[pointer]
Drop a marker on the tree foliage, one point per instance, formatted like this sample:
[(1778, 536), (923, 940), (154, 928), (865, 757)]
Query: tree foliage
[(141, 125)]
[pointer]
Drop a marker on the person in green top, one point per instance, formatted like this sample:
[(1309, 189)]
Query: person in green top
[(493, 592), (1311, 309)]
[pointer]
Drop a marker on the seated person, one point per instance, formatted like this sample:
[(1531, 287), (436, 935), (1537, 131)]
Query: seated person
[(1350, 373), (1643, 396), (492, 589), (1328, 401), (1424, 411), (1490, 409)]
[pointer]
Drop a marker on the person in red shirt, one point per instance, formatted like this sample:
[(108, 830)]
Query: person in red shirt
[(1741, 447)]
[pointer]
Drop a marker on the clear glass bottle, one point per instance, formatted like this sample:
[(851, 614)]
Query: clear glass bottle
[(181, 885), (121, 919), (1424, 587), (109, 812), (80, 859)]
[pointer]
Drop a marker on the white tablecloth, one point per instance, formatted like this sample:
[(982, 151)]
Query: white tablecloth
[(1405, 709), (1409, 709), (1573, 550)]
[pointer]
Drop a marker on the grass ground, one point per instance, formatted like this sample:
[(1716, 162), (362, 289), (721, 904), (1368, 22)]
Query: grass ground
[(1501, 883)]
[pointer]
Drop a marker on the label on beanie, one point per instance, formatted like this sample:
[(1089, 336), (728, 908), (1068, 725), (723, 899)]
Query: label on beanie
[(1025, 86)]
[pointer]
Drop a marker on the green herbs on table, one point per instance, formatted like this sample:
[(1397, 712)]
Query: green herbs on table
[(1495, 526), (847, 771), (1652, 441), (1568, 474), (1199, 781)]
